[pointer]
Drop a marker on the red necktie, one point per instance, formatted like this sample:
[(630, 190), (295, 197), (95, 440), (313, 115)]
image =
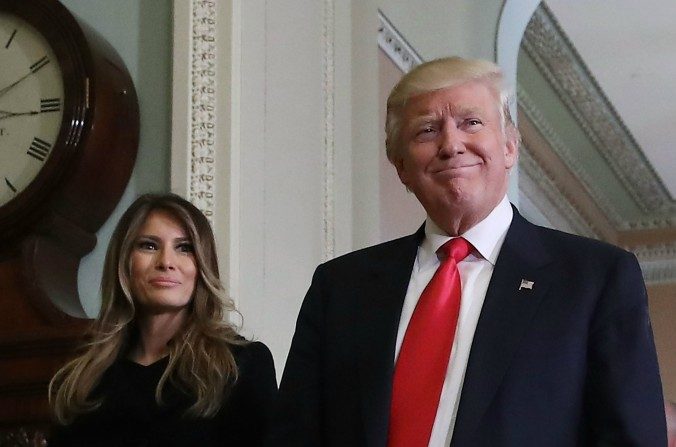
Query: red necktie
[(425, 351)]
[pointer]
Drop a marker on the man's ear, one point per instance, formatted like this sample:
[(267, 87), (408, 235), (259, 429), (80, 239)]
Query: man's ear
[(512, 146), (401, 170)]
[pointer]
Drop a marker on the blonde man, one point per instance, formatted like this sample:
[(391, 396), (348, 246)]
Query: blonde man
[(515, 335)]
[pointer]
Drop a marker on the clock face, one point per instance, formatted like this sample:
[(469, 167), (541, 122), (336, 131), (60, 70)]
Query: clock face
[(31, 104)]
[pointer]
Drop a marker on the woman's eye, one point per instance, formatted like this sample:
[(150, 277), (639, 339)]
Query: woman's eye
[(147, 245), (185, 248)]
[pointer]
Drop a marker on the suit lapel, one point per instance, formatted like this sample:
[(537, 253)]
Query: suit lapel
[(380, 301), (505, 316)]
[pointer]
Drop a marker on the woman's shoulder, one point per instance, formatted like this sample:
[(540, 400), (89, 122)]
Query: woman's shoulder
[(256, 383), (254, 354)]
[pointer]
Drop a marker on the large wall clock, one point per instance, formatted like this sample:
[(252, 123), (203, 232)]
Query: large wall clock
[(68, 118), (69, 129)]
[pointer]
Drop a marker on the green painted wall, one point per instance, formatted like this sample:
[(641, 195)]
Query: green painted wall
[(141, 32)]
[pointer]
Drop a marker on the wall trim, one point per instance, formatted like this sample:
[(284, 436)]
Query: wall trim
[(527, 105), (329, 90), (556, 57), (205, 120), (395, 46), (543, 192), (658, 263), (201, 188), (193, 154)]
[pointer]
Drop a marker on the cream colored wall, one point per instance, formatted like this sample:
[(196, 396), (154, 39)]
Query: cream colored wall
[(400, 211), (295, 158)]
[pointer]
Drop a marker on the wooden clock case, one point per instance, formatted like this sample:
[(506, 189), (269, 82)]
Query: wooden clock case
[(50, 226)]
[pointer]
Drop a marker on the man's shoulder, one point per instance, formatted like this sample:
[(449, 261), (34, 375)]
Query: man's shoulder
[(375, 254), (562, 243)]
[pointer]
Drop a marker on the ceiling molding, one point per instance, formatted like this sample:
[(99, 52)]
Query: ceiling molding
[(395, 46), (546, 43), (555, 142), (545, 187), (541, 190), (658, 263)]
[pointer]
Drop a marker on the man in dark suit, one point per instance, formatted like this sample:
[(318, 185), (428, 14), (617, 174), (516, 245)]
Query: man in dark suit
[(547, 340)]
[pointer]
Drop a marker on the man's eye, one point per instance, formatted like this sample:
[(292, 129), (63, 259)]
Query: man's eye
[(427, 130), (474, 122)]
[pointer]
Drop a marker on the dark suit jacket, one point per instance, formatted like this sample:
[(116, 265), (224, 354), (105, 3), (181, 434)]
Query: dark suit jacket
[(571, 362)]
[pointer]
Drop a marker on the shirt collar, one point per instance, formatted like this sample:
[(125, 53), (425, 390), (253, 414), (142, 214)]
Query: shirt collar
[(486, 237)]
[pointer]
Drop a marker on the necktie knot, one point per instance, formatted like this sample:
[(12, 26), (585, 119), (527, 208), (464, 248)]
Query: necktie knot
[(457, 248)]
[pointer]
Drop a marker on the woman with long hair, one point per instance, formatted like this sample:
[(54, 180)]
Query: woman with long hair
[(164, 366)]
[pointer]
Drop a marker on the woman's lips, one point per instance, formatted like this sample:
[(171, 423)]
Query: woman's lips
[(164, 282)]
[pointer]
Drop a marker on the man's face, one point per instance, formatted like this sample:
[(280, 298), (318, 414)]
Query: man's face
[(455, 156)]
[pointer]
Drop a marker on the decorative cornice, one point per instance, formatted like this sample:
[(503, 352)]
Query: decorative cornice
[(527, 105), (328, 215), (395, 46), (203, 112), (658, 263), (556, 57), (539, 186)]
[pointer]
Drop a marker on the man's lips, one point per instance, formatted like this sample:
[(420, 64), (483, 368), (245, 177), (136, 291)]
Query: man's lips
[(451, 169)]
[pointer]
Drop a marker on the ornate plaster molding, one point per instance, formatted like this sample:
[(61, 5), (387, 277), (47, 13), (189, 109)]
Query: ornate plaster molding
[(539, 187), (556, 57), (328, 205), (395, 46), (658, 263), (528, 106), (203, 72)]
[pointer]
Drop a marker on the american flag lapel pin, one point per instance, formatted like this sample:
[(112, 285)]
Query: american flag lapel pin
[(525, 284)]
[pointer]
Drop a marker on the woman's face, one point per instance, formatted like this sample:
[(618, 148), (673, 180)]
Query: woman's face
[(162, 265)]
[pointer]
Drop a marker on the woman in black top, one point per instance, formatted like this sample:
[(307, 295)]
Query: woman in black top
[(164, 367)]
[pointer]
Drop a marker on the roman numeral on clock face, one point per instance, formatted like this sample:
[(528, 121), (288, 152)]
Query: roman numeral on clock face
[(11, 38), (9, 184), (39, 64), (39, 149), (50, 105)]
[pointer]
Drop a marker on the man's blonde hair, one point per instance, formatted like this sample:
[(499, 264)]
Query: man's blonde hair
[(436, 75)]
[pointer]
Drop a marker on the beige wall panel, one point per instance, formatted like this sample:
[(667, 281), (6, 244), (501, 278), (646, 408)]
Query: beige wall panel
[(662, 300)]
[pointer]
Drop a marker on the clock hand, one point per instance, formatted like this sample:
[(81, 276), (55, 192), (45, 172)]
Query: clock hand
[(10, 86), (4, 114)]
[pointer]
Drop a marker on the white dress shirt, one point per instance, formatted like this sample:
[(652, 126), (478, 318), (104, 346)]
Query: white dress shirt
[(475, 273)]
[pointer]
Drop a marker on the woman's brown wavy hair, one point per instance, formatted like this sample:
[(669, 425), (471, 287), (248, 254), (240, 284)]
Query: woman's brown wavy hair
[(201, 362)]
